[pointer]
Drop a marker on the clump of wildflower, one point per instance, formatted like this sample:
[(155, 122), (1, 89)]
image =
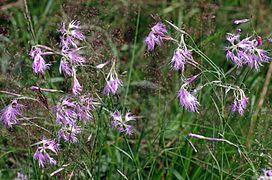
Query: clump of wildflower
[(156, 35), (187, 100), (20, 176), (39, 65), (69, 133), (44, 147), (69, 109), (246, 51), (71, 57), (240, 104), (9, 115), (70, 52), (122, 123), (180, 58)]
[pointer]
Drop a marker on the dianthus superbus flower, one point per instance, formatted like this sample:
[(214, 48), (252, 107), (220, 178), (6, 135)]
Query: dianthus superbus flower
[(240, 105), (65, 67), (73, 56), (44, 147), (156, 35), (246, 51), (122, 123), (39, 65), (9, 115), (84, 107), (77, 88), (69, 109), (70, 33), (187, 100), (112, 85), (69, 133), (180, 58), (66, 111)]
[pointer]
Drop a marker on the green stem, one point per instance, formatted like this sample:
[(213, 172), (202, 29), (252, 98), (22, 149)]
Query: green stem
[(133, 56)]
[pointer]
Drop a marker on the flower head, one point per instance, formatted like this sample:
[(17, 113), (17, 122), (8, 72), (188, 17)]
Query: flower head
[(73, 56), (70, 34), (69, 133), (155, 37), (41, 154), (187, 100), (246, 51), (65, 67), (10, 113), (65, 111), (66, 41), (122, 123), (39, 65), (112, 85), (150, 41), (240, 104), (77, 88), (69, 110), (180, 57), (84, 107), (159, 29), (268, 173)]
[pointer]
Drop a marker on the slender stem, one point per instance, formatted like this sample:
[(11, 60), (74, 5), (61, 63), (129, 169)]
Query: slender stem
[(28, 18), (211, 139), (133, 55)]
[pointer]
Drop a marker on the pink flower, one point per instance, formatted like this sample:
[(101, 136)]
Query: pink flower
[(77, 88), (69, 132), (180, 58), (65, 67), (246, 51), (41, 154), (65, 111), (73, 56), (10, 113), (122, 123), (84, 107), (187, 100), (155, 37), (39, 65), (20, 176), (112, 86), (240, 105), (70, 33)]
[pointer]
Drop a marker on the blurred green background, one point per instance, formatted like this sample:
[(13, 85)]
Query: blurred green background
[(159, 149)]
